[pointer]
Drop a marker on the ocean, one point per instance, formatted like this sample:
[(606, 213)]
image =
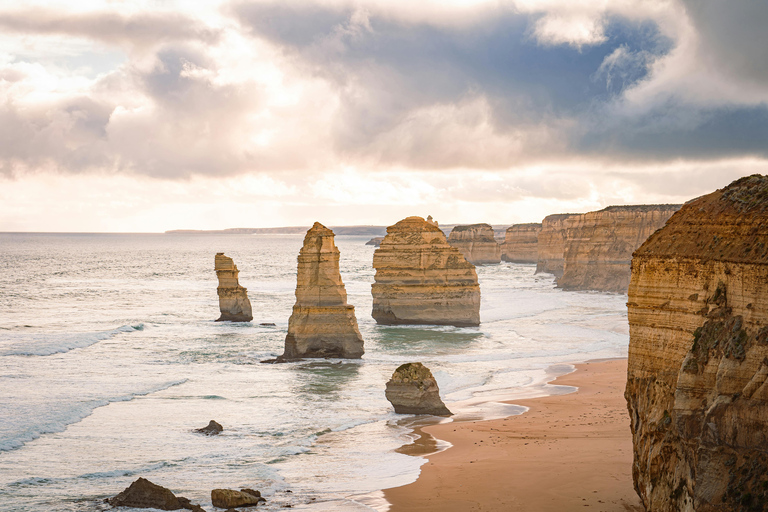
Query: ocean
[(110, 358)]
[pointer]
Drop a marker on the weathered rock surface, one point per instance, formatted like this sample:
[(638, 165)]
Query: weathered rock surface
[(697, 386), (551, 244), (212, 429), (413, 390), (599, 245), (476, 243), (521, 243), (233, 298), (421, 279), (144, 494), (322, 323), (228, 498)]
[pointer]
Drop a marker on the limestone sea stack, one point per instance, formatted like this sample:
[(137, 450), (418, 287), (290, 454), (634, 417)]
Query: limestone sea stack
[(322, 323), (413, 390), (697, 383), (551, 244), (233, 298), (599, 245), (421, 279), (476, 243), (521, 243)]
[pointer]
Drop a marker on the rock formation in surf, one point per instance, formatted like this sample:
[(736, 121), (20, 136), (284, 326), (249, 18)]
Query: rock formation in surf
[(697, 386), (375, 241), (476, 243), (599, 245), (521, 243), (322, 323), (421, 279), (413, 390), (229, 499), (233, 298), (551, 244), (144, 494), (212, 429)]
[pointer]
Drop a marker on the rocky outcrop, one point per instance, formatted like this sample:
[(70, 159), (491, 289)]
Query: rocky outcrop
[(233, 298), (421, 279), (521, 243), (322, 323), (228, 498), (144, 494), (697, 383), (476, 243), (599, 245), (413, 390), (212, 429), (375, 241), (551, 244)]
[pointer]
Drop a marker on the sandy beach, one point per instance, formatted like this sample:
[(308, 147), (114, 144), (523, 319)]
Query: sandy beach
[(567, 452)]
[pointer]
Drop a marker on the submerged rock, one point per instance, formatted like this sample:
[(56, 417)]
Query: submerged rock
[(211, 429), (697, 382), (322, 323), (413, 390), (421, 279), (144, 494), (233, 298), (228, 498), (521, 243), (477, 243)]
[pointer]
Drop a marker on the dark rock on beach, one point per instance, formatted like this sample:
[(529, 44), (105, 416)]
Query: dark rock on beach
[(228, 498), (413, 390), (144, 494), (212, 429)]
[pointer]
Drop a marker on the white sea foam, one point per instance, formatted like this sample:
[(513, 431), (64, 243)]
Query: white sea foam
[(46, 344)]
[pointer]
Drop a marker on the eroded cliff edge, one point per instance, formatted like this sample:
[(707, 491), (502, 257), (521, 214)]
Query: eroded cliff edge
[(421, 279), (476, 243), (551, 244), (521, 243), (599, 245), (698, 355)]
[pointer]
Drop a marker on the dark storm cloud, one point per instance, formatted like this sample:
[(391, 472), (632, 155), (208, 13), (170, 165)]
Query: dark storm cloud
[(136, 30)]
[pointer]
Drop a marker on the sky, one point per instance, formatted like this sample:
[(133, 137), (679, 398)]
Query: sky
[(150, 115)]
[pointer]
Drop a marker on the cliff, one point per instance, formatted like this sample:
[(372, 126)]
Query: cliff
[(551, 244), (697, 389), (322, 323), (421, 279), (233, 298), (476, 243), (521, 243), (599, 245)]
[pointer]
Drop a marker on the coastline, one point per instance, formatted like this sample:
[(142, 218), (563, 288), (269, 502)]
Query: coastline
[(568, 450)]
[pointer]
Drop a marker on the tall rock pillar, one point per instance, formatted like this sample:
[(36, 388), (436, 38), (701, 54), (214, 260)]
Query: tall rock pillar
[(233, 298)]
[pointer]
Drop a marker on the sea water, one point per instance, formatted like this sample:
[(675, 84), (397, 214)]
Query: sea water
[(110, 357)]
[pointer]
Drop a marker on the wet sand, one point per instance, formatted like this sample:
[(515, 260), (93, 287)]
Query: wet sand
[(568, 452)]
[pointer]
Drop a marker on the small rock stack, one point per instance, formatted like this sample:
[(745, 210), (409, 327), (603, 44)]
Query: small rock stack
[(233, 298), (413, 390)]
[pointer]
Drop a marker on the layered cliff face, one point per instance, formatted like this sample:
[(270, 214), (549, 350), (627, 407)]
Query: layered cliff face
[(233, 298), (322, 323), (697, 384), (521, 243), (421, 279), (551, 244), (599, 245), (476, 243)]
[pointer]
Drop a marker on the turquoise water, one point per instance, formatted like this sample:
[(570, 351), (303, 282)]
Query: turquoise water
[(110, 358)]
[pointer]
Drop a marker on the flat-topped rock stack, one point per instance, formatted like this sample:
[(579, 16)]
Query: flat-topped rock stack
[(476, 243), (421, 279), (551, 244), (521, 243), (233, 298), (697, 386), (322, 323), (599, 245)]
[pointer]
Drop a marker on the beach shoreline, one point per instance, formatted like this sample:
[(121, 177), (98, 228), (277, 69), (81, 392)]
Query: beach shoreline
[(568, 450)]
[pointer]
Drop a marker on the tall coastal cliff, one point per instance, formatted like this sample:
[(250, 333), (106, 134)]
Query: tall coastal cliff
[(476, 243), (322, 323), (599, 245), (551, 244), (697, 383), (421, 279), (521, 243), (233, 298)]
